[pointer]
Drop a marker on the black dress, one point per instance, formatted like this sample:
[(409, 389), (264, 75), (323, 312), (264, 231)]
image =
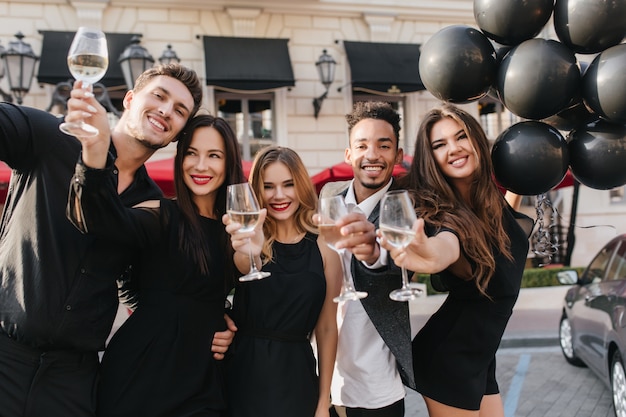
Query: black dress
[(159, 363), (454, 353), (272, 370)]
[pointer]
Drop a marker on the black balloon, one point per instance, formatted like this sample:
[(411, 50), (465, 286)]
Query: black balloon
[(590, 26), (604, 84), (538, 78), (572, 117), (576, 114), (598, 155), (458, 64), (511, 22), (530, 158)]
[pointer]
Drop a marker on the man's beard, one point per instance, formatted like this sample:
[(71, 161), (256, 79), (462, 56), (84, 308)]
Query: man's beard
[(374, 186), (151, 146)]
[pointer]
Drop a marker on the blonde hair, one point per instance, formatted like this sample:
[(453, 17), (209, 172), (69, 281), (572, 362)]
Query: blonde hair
[(305, 193)]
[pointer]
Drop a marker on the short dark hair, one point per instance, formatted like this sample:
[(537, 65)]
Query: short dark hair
[(183, 74), (379, 110)]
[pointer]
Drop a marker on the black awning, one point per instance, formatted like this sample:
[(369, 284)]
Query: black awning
[(53, 61), (384, 67), (247, 63)]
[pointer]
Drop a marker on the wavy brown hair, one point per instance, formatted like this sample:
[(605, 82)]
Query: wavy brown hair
[(478, 222), (305, 192)]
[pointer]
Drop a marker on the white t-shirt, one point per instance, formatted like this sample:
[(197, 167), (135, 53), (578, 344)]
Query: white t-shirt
[(366, 374)]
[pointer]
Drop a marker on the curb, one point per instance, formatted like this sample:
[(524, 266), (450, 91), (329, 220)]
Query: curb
[(520, 342)]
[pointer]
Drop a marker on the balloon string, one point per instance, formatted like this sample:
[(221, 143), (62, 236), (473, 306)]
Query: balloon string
[(545, 244)]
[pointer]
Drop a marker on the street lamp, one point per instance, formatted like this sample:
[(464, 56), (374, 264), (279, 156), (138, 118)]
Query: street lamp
[(19, 63), (134, 60), (5, 96), (169, 56), (326, 70)]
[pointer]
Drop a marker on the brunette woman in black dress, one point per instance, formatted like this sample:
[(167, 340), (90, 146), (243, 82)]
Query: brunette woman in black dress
[(159, 363), (476, 247)]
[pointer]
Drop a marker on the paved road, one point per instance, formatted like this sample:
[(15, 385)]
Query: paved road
[(534, 378), (537, 382)]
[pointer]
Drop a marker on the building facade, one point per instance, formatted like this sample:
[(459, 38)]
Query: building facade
[(268, 93)]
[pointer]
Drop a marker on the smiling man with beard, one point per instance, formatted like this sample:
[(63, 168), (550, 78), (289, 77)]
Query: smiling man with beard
[(374, 350), (58, 289)]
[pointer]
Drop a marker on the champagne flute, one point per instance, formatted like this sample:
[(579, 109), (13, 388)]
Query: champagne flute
[(397, 216), (87, 59), (243, 208), (331, 209)]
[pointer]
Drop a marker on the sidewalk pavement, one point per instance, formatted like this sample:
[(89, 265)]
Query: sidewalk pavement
[(534, 323)]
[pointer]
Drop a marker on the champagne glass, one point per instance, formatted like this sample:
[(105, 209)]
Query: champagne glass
[(87, 59), (331, 209), (397, 216), (243, 208)]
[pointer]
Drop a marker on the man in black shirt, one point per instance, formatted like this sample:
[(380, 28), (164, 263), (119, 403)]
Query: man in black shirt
[(58, 291)]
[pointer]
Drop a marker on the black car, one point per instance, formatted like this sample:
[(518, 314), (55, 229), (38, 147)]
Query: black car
[(592, 330)]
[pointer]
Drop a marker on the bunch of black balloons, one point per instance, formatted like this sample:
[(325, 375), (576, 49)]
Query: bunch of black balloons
[(576, 84)]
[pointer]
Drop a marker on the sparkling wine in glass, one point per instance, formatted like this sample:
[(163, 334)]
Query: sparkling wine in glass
[(242, 207), (88, 60), (397, 216), (331, 209)]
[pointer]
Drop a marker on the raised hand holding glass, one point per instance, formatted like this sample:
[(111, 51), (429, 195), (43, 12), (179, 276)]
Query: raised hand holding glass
[(242, 207), (330, 210)]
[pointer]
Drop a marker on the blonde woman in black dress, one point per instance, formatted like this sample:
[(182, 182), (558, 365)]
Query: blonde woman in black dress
[(476, 244), (271, 368)]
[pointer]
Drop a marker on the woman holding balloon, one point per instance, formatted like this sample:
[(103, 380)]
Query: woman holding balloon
[(476, 249)]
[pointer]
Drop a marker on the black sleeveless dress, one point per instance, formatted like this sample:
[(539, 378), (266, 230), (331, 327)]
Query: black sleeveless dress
[(454, 353), (271, 370), (159, 363)]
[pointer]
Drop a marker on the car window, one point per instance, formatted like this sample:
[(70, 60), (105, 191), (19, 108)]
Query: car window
[(597, 268), (617, 269)]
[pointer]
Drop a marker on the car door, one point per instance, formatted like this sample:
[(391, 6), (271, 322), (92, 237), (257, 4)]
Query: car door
[(591, 313), (617, 298)]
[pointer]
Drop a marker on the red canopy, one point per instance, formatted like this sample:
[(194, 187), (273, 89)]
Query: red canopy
[(5, 178), (162, 172)]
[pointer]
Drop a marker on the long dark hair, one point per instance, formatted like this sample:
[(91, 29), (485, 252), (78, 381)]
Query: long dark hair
[(191, 238), (478, 221)]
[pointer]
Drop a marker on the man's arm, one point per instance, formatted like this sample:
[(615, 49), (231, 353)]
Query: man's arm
[(223, 340)]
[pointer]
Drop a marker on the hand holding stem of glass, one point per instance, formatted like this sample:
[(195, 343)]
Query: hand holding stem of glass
[(330, 210), (243, 207)]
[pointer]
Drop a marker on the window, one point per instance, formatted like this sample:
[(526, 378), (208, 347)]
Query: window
[(251, 117), (618, 265), (617, 195), (597, 268)]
